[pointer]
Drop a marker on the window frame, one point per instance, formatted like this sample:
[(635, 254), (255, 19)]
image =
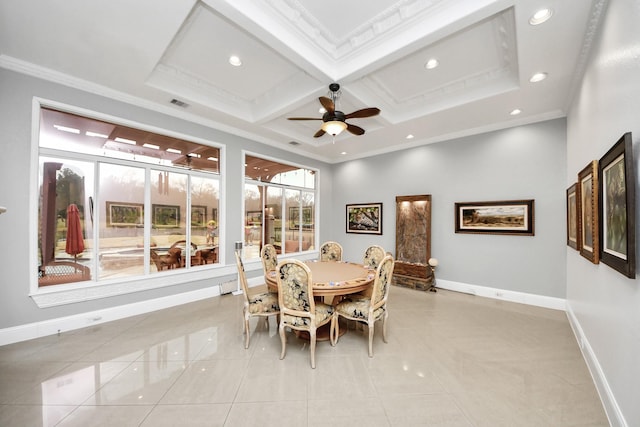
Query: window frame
[(302, 189), (56, 295)]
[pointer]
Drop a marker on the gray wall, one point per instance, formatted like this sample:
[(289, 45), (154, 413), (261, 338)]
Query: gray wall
[(17, 92), (604, 302), (527, 162)]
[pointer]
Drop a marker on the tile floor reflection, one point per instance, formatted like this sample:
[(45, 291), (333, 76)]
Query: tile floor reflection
[(452, 360)]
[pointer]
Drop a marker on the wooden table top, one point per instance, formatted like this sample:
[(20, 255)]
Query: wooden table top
[(332, 278)]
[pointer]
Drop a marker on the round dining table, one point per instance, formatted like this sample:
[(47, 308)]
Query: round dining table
[(331, 279)]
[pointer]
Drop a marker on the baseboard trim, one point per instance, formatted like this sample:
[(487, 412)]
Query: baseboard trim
[(82, 320), (614, 414), (504, 295)]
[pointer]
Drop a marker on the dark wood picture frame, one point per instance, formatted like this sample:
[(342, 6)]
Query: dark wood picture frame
[(587, 191), (165, 216), (124, 214), (616, 174), (510, 217), (572, 217), (364, 218)]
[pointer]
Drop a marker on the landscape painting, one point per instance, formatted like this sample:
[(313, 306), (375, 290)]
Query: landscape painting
[(502, 217)]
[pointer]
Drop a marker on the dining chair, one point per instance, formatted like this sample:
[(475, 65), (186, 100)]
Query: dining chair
[(372, 256), (331, 251), (262, 304), (364, 309), (298, 309), (172, 259), (269, 256)]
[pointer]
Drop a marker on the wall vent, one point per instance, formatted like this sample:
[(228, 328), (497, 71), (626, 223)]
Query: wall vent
[(179, 103)]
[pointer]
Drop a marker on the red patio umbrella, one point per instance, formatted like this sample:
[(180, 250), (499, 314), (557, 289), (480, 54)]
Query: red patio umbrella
[(75, 242)]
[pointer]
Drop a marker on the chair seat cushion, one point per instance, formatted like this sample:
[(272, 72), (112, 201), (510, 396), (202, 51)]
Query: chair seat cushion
[(357, 307), (263, 303), (323, 313)]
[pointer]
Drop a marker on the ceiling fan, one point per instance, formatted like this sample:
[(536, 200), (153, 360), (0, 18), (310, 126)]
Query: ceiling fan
[(334, 121)]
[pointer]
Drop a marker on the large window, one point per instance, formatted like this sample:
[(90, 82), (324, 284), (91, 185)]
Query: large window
[(121, 202), (279, 207)]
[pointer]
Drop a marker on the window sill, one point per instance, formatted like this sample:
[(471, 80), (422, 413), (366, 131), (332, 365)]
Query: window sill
[(56, 295)]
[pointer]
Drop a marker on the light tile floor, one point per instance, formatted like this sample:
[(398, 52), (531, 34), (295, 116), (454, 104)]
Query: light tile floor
[(451, 360)]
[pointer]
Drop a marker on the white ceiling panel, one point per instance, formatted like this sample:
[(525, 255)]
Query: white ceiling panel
[(148, 52)]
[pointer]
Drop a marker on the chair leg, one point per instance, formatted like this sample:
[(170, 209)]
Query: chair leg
[(384, 326), (312, 346), (283, 340), (332, 331), (246, 330), (371, 331)]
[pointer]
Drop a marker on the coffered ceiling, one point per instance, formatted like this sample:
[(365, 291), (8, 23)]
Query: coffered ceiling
[(150, 52)]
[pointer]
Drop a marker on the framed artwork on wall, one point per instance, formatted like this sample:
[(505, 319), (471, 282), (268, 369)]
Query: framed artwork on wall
[(198, 216), (572, 217), (166, 216), (364, 218), (125, 214), (617, 207), (513, 217), (587, 192)]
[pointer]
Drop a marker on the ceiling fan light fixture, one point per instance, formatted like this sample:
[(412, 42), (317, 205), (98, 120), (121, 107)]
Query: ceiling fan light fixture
[(334, 127)]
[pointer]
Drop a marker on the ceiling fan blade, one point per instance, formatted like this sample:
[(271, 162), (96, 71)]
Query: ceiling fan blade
[(304, 118), (319, 133), (356, 130), (327, 104), (365, 112)]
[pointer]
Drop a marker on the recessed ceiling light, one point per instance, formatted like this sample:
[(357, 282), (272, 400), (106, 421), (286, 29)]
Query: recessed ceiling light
[(67, 129), (431, 64), (540, 16), (96, 134), (538, 77), (214, 159), (174, 151), (322, 110), (409, 136), (343, 153), (235, 61), (515, 112), (152, 146), (125, 141)]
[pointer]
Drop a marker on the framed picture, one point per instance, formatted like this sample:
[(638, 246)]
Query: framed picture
[(306, 220), (166, 216), (198, 216), (617, 208), (253, 218), (364, 218), (515, 217), (572, 217), (125, 214), (214, 214), (588, 219)]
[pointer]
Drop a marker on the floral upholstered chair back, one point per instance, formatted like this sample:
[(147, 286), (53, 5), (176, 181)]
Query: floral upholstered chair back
[(372, 256), (269, 258), (382, 281), (331, 251), (295, 292)]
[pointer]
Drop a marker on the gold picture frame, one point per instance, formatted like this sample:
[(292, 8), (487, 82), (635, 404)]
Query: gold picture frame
[(587, 192)]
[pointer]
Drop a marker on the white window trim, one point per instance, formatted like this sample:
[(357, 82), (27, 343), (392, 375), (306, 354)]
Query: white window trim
[(56, 295)]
